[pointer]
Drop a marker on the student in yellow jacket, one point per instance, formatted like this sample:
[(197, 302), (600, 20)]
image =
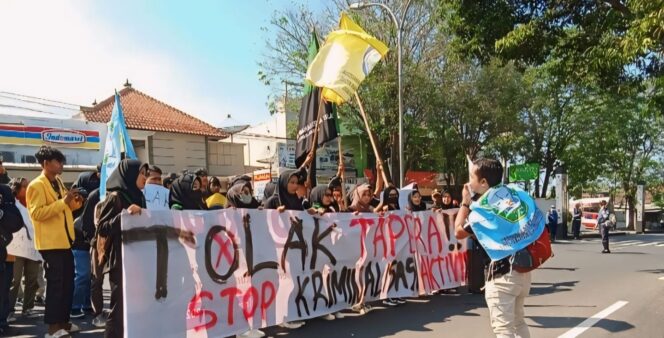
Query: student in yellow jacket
[(216, 200), (50, 206)]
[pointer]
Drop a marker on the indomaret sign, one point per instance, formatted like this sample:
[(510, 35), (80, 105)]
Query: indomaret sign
[(219, 273)]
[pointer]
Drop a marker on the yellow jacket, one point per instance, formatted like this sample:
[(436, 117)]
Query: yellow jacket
[(49, 214), (216, 201)]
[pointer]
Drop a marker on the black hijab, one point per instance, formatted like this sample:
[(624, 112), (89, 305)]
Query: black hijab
[(413, 206), (290, 201), (182, 193), (391, 202), (316, 197), (335, 182), (269, 191), (245, 178), (123, 180), (234, 196)]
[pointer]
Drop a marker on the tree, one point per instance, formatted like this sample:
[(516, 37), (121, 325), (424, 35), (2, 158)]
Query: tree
[(586, 41), (479, 102), (551, 121), (629, 134), (286, 60)]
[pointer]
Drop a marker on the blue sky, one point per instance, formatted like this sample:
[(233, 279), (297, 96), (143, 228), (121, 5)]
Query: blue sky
[(199, 56)]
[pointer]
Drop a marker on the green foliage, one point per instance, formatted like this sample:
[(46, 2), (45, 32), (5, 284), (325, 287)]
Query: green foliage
[(586, 41), (571, 82)]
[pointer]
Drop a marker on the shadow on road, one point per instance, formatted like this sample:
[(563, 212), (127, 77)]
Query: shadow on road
[(538, 289), (558, 269), (627, 253), (610, 325), (655, 271), (557, 305), (414, 316)]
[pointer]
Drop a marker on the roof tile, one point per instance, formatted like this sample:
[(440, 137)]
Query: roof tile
[(144, 112)]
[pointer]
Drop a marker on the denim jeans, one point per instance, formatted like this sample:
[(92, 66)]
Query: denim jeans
[(82, 280)]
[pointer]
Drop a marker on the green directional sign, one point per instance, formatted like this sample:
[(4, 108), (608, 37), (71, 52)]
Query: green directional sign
[(524, 172)]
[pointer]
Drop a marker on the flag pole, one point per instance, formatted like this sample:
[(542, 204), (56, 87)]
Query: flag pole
[(371, 138), (342, 167)]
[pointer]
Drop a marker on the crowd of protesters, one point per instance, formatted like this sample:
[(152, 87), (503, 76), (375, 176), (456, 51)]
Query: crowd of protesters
[(73, 240)]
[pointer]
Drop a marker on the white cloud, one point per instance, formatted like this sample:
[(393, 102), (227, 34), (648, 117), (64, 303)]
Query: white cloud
[(58, 50)]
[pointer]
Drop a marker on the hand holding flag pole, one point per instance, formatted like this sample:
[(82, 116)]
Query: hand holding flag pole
[(379, 160)]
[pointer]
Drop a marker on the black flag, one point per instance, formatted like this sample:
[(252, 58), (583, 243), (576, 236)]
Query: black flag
[(309, 115)]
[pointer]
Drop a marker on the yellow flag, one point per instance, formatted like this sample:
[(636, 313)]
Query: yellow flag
[(345, 59)]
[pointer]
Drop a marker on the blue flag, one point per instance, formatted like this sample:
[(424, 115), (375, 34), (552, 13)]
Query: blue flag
[(505, 220), (117, 142)]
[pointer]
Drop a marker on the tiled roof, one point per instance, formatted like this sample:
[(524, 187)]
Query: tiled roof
[(147, 113)]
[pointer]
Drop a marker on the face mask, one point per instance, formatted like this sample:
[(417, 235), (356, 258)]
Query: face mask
[(246, 199)]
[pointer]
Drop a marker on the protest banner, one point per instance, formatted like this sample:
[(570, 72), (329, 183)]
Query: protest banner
[(219, 273), (156, 197)]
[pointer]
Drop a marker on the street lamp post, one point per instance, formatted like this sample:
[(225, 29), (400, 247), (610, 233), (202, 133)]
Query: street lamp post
[(399, 26)]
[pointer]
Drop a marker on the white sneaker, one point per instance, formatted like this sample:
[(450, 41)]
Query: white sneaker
[(390, 302), (253, 334), (11, 318), (58, 334), (99, 321), (74, 328), (329, 316), (292, 325), (361, 309)]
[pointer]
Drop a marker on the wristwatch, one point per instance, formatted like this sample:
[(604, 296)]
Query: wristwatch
[(465, 205)]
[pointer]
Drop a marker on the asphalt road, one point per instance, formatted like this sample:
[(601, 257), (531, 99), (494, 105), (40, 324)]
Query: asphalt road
[(627, 286)]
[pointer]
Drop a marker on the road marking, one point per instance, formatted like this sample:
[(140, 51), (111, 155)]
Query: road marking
[(590, 322), (628, 241), (647, 244), (662, 244), (628, 244), (661, 278)]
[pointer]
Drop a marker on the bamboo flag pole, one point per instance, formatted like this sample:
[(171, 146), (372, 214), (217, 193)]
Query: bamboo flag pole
[(342, 166), (371, 138)]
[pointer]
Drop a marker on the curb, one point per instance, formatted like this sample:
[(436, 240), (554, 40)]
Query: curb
[(598, 235)]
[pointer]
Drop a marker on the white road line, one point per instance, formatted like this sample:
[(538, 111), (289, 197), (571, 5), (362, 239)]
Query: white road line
[(647, 244), (628, 244), (661, 244), (590, 322), (629, 241), (661, 278)]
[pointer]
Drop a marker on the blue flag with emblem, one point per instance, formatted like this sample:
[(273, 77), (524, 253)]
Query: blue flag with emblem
[(118, 145), (505, 220)]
